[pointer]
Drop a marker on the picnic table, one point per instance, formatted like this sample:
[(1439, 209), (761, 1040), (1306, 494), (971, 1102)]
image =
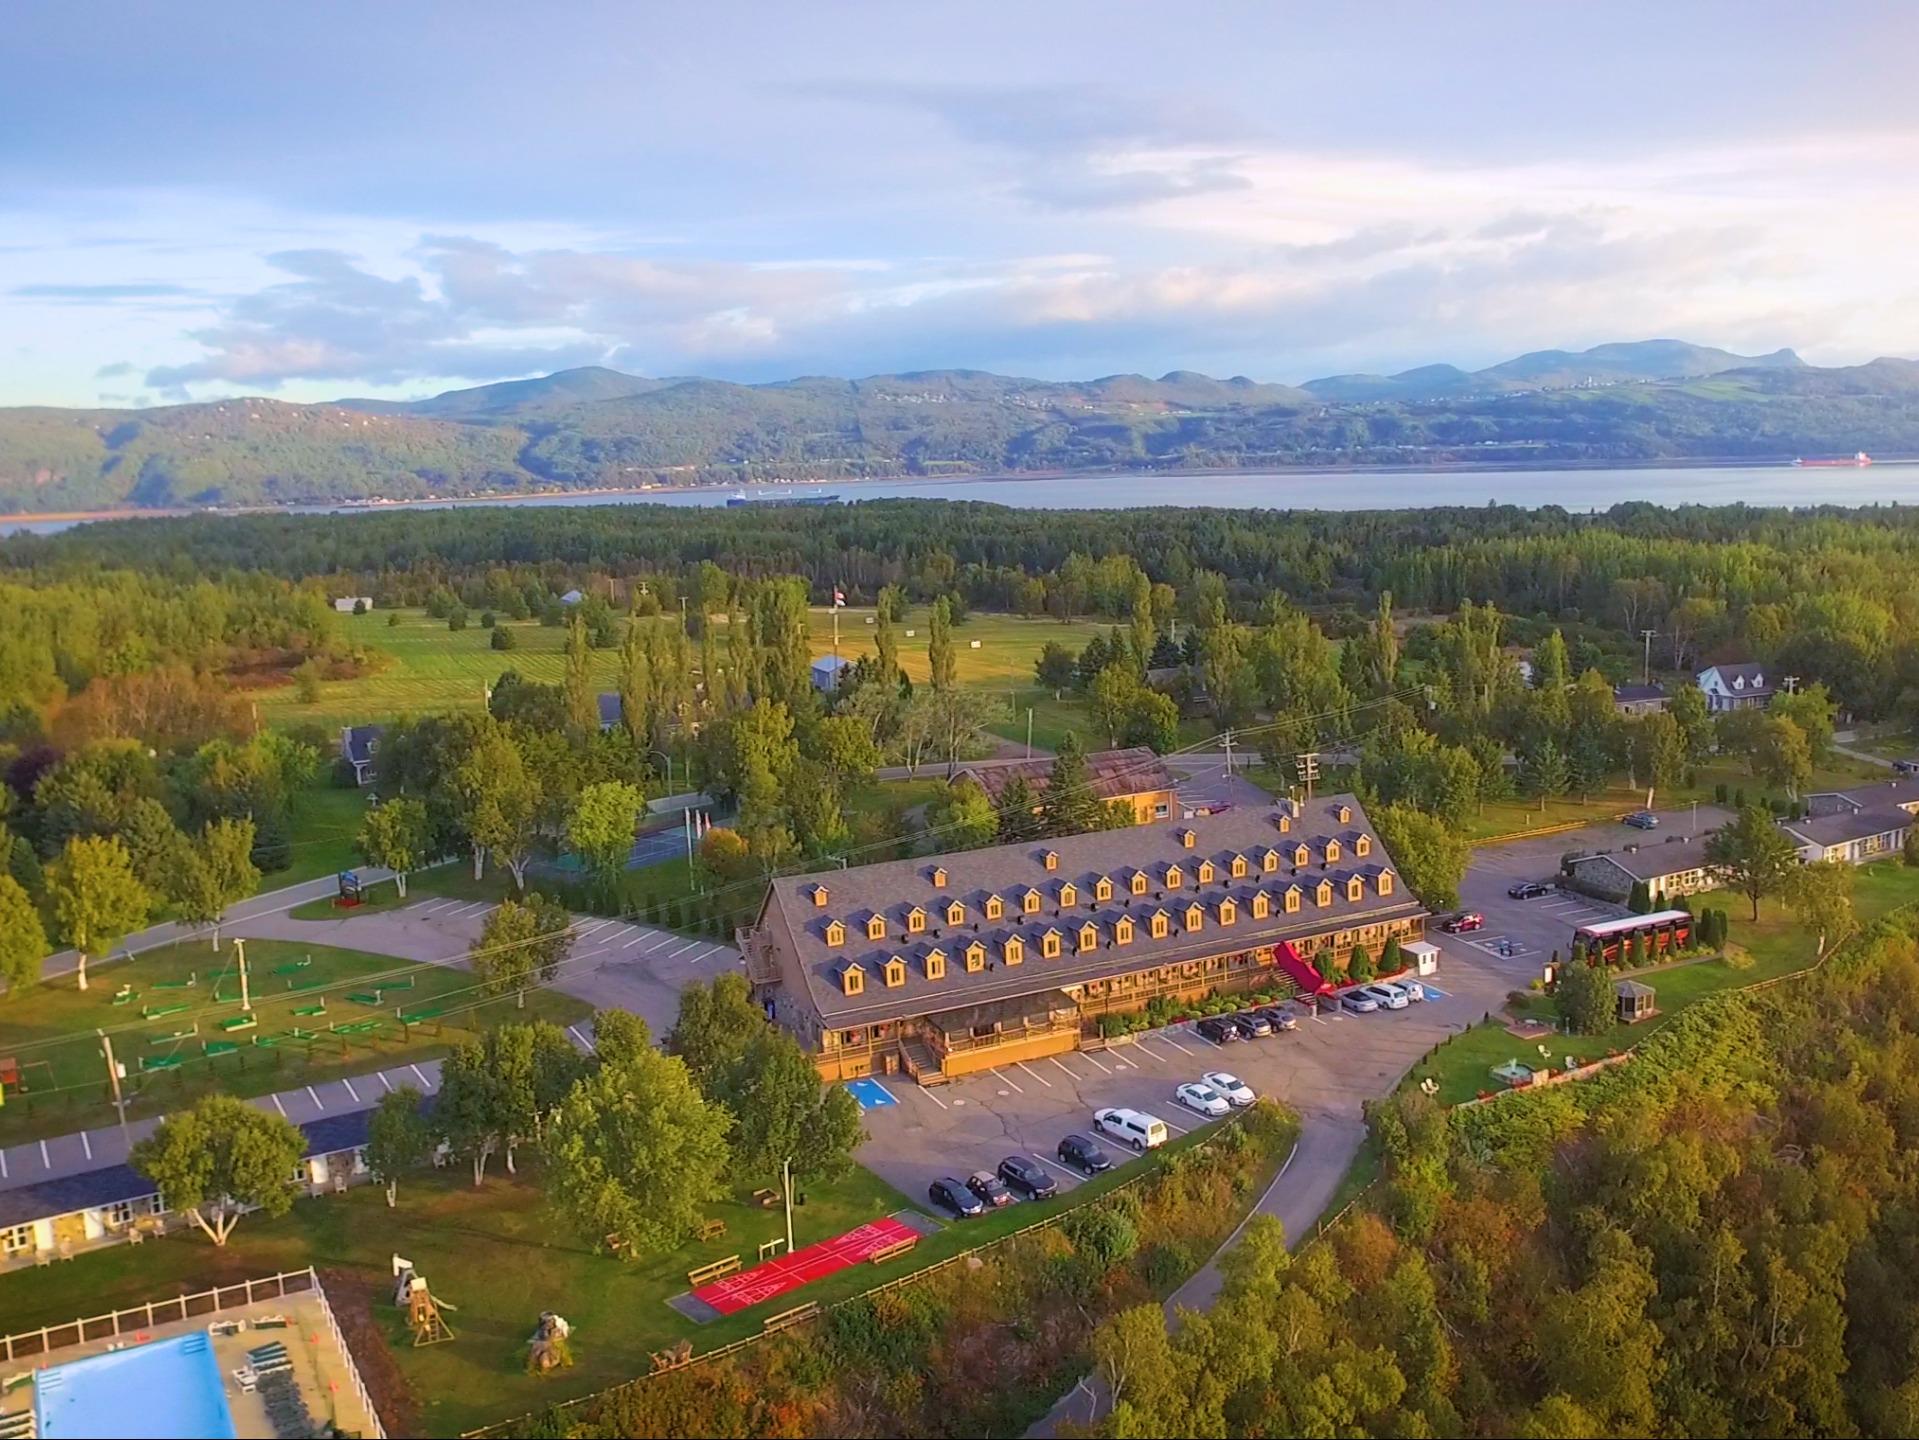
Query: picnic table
[(125, 995), (366, 997), (305, 1011), (414, 1017), (357, 1027), (293, 967), (160, 1062), (239, 1022), (219, 1047), (313, 984), (160, 1012)]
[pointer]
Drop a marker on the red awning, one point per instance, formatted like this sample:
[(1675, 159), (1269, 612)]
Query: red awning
[(1309, 980)]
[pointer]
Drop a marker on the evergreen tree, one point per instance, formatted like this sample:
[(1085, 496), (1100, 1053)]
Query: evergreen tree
[(1071, 807), (582, 704)]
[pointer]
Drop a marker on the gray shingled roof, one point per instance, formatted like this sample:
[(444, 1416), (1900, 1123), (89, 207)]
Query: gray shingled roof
[(1638, 694), (360, 742), (797, 926), (1894, 790), (1852, 825), (1113, 772), (1658, 860)]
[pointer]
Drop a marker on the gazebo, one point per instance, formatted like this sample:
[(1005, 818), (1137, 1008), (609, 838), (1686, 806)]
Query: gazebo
[(1634, 1001)]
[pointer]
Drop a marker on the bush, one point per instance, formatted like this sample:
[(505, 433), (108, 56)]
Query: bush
[(503, 639), (393, 620), (1736, 957), (456, 618), (488, 620), (1584, 999), (1103, 1234), (1719, 793)]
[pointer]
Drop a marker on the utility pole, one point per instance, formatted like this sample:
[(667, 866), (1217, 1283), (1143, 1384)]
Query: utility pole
[(1229, 752), (1308, 765), (113, 1079), (1645, 674), (1791, 684), (786, 1184), (240, 959), (1029, 732)]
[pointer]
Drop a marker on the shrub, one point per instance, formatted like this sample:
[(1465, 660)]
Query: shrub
[(488, 620), (503, 639), (393, 620), (1103, 1234), (1719, 793), (456, 618), (1736, 957)]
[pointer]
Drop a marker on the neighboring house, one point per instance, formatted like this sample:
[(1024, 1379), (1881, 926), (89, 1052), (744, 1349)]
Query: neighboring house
[(1852, 836), (1135, 776), (1639, 699), (611, 709), (345, 604), (1735, 687), (359, 747), (1901, 791), (572, 597), (828, 671), (950, 964), (98, 1207), (1676, 867)]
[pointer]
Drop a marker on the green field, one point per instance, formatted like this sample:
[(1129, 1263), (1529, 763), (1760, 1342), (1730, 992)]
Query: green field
[(324, 821), (497, 1253), (51, 1029)]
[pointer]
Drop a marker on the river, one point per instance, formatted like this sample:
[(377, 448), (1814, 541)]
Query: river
[(1594, 489)]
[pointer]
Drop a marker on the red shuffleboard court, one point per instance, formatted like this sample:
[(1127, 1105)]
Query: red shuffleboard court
[(802, 1267)]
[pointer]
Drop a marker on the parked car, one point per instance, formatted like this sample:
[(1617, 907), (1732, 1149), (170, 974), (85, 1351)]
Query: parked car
[(988, 1186), (1643, 820), (1461, 923), (1528, 890), (1390, 997), (1252, 1024), (1281, 1017), (1082, 1154), (949, 1194), (1359, 1002), (1138, 1129), (1202, 1099), (1906, 767), (1237, 1092), (1414, 990), (1024, 1174), (1219, 1029)]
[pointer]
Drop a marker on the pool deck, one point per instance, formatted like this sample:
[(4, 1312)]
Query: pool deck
[(323, 1372)]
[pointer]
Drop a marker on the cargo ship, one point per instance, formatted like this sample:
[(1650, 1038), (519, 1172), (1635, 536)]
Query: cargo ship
[(1857, 458), (743, 498)]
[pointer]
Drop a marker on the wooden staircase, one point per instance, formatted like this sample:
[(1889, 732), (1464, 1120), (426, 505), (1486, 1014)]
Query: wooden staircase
[(921, 1062)]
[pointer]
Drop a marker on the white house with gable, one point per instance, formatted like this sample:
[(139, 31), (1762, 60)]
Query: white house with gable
[(1735, 687)]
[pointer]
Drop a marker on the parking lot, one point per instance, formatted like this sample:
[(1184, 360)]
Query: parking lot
[(1328, 1064)]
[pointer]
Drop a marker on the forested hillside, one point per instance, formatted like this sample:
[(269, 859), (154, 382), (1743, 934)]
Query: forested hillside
[(596, 429)]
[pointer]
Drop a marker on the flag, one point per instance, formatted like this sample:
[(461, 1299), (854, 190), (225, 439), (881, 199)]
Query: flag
[(839, 597)]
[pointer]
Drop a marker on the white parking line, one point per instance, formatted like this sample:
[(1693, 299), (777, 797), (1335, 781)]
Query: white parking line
[(1183, 1129), (704, 952), (585, 1043), (1014, 1083), (1084, 1056), (595, 928), (384, 1081), (639, 938), (3, 1164), (1168, 1039), (420, 1075), (86, 1144), (931, 1096), (659, 939), (1035, 1074), (1073, 1177), (45, 1163), (278, 1106), (1141, 1047), (687, 946), (350, 1090), (1056, 1060), (318, 1103)]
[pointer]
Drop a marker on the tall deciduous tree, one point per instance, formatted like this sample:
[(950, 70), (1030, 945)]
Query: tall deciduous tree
[(785, 1116), (1820, 894), (1431, 855), (220, 1159), (215, 872), (96, 899), (23, 941), (394, 836), (398, 1139), (470, 1112), (602, 827), (886, 640), (635, 1151), (1753, 855), (636, 682), (582, 702), (499, 802), (716, 1023), (521, 944), (1583, 997), (944, 664)]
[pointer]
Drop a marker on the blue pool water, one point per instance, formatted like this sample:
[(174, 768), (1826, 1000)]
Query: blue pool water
[(164, 1389), (871, 1094)]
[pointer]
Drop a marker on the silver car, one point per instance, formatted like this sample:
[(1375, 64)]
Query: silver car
[(1359, 1002)]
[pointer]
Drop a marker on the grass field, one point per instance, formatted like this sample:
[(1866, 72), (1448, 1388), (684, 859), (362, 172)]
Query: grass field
[(324, 821), (498, 1254), (1008, 644), (51, 1029), (1779, 945)]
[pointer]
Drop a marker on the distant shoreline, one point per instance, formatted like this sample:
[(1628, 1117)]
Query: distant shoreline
[(1488, 467)]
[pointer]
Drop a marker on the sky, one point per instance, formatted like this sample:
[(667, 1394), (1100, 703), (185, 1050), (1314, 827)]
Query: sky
[(202, 198)]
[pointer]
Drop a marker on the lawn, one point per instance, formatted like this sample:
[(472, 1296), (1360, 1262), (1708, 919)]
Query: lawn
[(1008, 644), (324, 821), (1052, 717), (1779, 945), (51, 1029), (502, 1256)]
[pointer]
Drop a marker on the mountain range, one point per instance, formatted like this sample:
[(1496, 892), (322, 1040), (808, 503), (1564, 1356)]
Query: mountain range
[(595, 428)]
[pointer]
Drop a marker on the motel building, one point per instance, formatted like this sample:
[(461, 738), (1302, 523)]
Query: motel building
[(944, 965)]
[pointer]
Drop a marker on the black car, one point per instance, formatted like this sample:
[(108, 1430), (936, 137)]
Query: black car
[(1528, 890), (1024, 1174), (950, 1194), (1219, 1029), (1082, 1154), (1252, 1024), (990, 1189)]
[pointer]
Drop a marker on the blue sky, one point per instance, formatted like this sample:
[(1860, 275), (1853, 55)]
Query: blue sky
[(200, 199)]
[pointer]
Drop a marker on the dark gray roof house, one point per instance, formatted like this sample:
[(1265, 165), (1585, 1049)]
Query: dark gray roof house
[(611, 708), (359, 746)]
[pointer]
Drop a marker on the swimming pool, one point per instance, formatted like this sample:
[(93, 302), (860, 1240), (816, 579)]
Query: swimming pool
[(164, 1389)]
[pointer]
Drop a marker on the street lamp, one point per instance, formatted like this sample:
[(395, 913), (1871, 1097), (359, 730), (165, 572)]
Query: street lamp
[(669, 767)]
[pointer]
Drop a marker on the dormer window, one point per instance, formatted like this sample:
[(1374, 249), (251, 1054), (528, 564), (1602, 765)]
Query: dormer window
[(895, 972), (1049, 945), (1228, 912), (819, 897), (1292, 899), (1195, 918), (852, 978), (1102, 890), (1385, 882), (1285, 823), (1138, 883), (1345, 814), (1206, 872), (1188, 839), (875, 927), (1068, 894), (1262, 905), (1302, 855), (935, 962), (975, 958), (1162, 924), (939, 877), (1175, 877), (1030, 902), (1050, 859), (1236, 867), (1269, 862), (1323, 896), (915, 921), (1355, 889), (1013, 950), (835, 933), (1332, 852), (1362, 846), (1123, 930), (1088, 937), (995, 907)]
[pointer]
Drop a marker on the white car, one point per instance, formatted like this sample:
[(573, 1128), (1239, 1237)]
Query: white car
[(1203, 1099), (1390, 996), (1415, 992), (1237, 1092), (1359, 1002)]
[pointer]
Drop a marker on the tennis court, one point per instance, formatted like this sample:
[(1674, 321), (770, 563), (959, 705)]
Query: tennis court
[(814, 1262)]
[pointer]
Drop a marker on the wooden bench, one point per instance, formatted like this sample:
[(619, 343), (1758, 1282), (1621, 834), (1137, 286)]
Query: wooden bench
[(674, 1356), (766, 1199), (701, 1274), (893, 1251), (307, 1012), (219, 1047), (709, 1230), (794, 1316), (367, 997), (159, 1062)]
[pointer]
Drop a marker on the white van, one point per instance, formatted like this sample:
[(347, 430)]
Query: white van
[(1388, 995), (1134, 1127)]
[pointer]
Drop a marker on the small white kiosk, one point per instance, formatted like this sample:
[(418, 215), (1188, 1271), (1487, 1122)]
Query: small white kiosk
[(1423, 955)]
